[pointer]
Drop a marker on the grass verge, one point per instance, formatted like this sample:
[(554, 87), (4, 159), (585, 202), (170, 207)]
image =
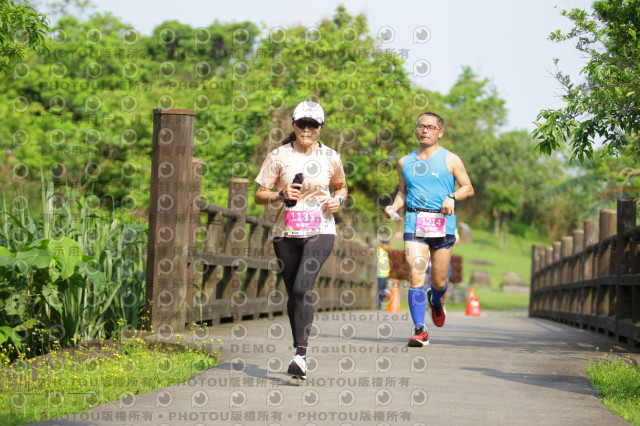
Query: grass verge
[(516, 256), (496, 300), (618, 384), (72, 380), (490, 300)]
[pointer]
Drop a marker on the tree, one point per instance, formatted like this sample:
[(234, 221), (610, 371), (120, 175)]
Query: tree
[(473, 114), (606, 105), (21, 28), (82, 113)]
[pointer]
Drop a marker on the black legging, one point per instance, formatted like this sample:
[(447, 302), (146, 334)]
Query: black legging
[(301, 260)]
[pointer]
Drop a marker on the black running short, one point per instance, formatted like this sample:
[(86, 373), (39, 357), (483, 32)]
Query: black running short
[(434, 243)]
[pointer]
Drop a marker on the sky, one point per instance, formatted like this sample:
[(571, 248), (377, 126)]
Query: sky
[(505, 41)]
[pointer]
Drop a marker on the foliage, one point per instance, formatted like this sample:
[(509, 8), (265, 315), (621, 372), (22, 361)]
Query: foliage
[(364, 91), (84, 113), (73, 380), (67, 276), (598, 183), (509, 177), (606, 105), (21, 28), (618, 384)]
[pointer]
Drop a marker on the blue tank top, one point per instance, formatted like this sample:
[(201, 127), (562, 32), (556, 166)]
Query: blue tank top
[(428, 183)]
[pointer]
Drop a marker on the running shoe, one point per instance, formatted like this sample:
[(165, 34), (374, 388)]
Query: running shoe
[(438, 312), (298, 367), (419, 339)]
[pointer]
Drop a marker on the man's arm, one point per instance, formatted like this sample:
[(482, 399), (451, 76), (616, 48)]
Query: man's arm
[(459, 173)]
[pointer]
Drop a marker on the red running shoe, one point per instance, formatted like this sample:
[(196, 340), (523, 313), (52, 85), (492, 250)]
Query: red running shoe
[(419, 340), (438, 312)]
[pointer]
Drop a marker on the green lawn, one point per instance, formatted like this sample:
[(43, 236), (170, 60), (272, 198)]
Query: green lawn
[(72, 380), (516, 257), (490, 300)]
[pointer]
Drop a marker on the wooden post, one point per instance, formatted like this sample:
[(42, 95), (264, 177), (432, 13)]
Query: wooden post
[(590, 238), (624, 296), (253, 274), (537, 280), (566, 245), (236, 244), (605, 270), (194, 273), (607, 229), (566, 296), (171, 155), (273, 288), (549, 274), (557, 257), (588, 266), (576, 267)]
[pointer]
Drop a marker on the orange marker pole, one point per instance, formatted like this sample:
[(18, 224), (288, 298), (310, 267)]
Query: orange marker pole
[(473, 304), (394, 298)]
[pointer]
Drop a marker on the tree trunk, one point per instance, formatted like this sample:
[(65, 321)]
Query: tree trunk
[(496, 223), (503, 237)]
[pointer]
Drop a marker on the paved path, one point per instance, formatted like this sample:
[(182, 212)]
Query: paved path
[(489, 370)]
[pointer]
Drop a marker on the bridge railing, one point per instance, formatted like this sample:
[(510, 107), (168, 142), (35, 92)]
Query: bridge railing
[(209, 264), (592, 278)]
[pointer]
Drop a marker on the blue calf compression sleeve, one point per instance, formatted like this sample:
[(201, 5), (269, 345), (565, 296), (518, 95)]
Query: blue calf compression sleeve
[(436, 295), (417, 305)]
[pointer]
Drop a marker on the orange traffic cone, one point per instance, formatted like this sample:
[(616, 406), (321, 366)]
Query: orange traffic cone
[(394, 298), (473, 304)]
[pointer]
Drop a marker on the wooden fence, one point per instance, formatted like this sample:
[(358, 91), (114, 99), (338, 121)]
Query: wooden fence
[(592, 279), (208, 264)]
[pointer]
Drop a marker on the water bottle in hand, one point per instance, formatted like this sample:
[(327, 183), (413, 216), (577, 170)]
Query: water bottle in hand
[(298, 178)]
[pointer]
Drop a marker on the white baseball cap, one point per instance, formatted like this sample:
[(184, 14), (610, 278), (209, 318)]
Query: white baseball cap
[(309, 109)]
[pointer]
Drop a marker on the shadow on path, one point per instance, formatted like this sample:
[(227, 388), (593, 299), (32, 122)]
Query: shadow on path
[(575, 384)]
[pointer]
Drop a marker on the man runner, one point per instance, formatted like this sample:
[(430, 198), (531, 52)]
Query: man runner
[(426, 188)]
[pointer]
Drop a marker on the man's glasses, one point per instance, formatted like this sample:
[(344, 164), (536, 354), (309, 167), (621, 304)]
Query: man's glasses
[(306, 124), (430, 128)]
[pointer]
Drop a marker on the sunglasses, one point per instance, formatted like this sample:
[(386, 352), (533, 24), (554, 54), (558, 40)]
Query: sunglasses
[(300, 124), (430, 128)]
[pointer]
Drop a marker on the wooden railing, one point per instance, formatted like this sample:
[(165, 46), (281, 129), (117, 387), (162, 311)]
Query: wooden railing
[(592, 279), (209, 264)]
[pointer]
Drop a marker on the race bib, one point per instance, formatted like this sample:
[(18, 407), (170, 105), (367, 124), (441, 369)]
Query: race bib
[(431, 225), (302, 222)]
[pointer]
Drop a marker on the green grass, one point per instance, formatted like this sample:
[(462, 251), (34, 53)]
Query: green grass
[(74, 379), (486, 247), (618, 384), (496, 300), (490, 300), (516, 257)]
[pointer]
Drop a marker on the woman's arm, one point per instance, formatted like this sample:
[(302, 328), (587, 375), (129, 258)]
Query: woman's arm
[(265, 196)]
